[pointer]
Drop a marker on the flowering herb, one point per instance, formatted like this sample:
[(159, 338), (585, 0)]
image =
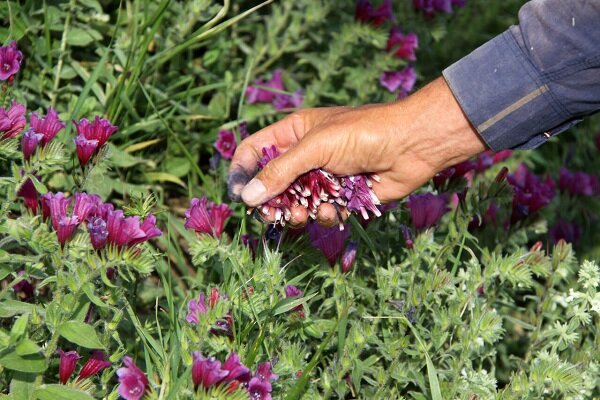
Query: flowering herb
[(366, 13), (401, 45), (91, 136), (404, 80), (10, 61), (427, 209), (226, 144), (96, 363), (207, 217), (68, 362), (207, 372), (133, 383), (12, 120), (48, 126)]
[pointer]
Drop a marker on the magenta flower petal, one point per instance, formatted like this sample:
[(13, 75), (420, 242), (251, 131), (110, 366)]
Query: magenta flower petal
[(205, 217), (283, 101), (568, 231), (196, 307), (66, 228), (150, 230), (234, 367), (329, 240), (30, 195), (349, 256), (404, 79), (68, 362), (98, 232), (57, 204), (29, 143), (403, 46), (259, 389), (100, 129), (207, 372), (12, 121), (226, 144), (132, 380), (10, 61), (96, 363), (265, 373), (48, 126), (530, 193), (292, 291), (366, 13), (85, 149)]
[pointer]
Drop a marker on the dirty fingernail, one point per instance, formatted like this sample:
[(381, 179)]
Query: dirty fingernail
[(235, 183)]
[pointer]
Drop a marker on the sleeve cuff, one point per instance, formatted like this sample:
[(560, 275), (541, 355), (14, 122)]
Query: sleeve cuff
[(504, 97)]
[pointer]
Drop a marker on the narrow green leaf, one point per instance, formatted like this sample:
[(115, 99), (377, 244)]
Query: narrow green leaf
[(60, 392)]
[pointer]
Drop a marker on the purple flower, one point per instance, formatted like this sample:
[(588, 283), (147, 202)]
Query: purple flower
[(407, 236), (453, 174), (430, 7), (292, 291), (530, 193), (569, 231), (96, 363), (85, 204), (68, 362), (64, 224), (48, 126), (205, 217), (30, 196), (10, 61), (226, 144), (578, 183), (100, 129), (264, 372), (403, 46), (244, 130), (235, 369), (356, 190), (29, 143), (150, 230), (207, 372), (196, 307), (132, 380), (12, 121), (329, 240), (98, 232), (123, 230), (404, 80), (256, 94), (366, 13), (23, 289), (284, 101), (427, 209), (85, 149), (259, 390), (349, 255)]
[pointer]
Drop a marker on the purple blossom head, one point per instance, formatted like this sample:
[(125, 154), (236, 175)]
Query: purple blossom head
[(205, 217), (29, 143), (122, 231), (427, 209), (234, 367), (356, 190), (150, 230), (68, 362), (403, 46), (100, 129), (226, 144), (259, 389), (453, 174), (48, 126), (98, 232), (85, 204), (96, 363), (530, 193), (196, 307), (85, 149), (24, 289), (366, 13), (132, 380), (578, 183), (260, 93), (10, 61), (284, 101), (404, 80), (66, 228), (430, 7), (292, 291), (569, 231), (207, 372), (349, 255), (329, 240), (12, 121), (264, 372)]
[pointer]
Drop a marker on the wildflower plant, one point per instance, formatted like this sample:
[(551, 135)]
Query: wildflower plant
[(125, 272)]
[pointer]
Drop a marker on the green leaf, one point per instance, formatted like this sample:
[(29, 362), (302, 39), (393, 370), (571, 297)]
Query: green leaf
[(434, 383), (82, 37), (165, 177), (27, 363), (26, 347), (9, 308), (289, 303), (22, 386), (81, 334), (60, 392), (5, 270)]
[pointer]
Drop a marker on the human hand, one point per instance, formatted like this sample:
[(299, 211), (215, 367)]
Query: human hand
[(405, 143)]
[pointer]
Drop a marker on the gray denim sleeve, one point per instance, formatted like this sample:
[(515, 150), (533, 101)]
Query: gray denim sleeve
[(536, 79)]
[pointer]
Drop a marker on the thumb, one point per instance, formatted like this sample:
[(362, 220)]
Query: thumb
[(279, 173)]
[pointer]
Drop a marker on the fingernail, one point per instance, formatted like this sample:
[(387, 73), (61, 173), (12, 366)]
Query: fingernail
[(254, 193)]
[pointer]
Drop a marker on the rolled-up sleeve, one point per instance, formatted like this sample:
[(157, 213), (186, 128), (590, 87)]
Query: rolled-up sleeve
[(536, 79)]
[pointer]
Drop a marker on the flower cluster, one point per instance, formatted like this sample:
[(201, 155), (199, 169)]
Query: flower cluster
[(207, 217), (105, 225), (430, 7), (41, 132), (402, 81), (68, 361), (578, 183), (209, 372), (468, 168), (316, 187), (91, 136), (10, 61), (367, 13), (531, 193), (273, 91)]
